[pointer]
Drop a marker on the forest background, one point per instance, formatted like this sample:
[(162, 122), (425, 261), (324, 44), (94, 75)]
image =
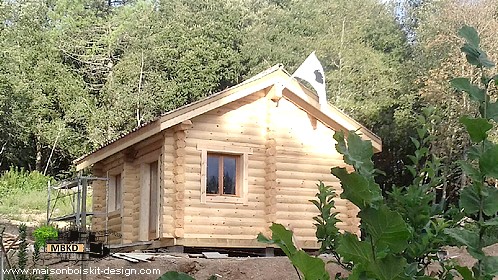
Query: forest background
[(75, 74)]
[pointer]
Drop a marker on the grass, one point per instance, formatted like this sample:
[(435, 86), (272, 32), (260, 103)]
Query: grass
[(25, 205)]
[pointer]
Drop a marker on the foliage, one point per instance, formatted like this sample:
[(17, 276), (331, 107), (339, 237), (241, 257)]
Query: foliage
[(385, 233), (43, 234), (437, 59), (76, 74), (22, 255), (18, 180), (312, 268), (397, 242), (399, 239), (326, 230), (422, 204), (478, 198)]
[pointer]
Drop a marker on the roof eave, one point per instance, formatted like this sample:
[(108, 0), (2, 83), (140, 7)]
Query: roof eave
[(294, 92), (259, 82)]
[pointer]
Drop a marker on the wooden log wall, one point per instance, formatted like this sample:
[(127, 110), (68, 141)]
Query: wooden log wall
[(130, 202), (305, 152), (167, 186), (114, 228), (98, 200), (242, 124), (270, 167), (179, 144), (99, 188)]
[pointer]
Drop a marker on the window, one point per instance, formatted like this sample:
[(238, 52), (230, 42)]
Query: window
[(153, 200), (222, 174), (149, 200), (115, 192)]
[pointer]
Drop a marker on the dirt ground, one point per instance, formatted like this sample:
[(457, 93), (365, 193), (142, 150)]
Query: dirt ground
[(233, 268)]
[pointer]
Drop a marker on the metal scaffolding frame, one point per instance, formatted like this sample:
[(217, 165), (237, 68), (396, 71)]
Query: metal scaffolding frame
[(76, 188)]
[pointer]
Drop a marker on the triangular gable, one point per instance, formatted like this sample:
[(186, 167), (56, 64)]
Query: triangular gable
[(275, 78)]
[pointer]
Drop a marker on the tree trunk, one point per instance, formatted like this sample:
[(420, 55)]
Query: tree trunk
[(38, 162)]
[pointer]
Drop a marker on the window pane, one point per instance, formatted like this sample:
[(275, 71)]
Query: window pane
[(212, 179), (117, 189), (153, 194), (229, 175)]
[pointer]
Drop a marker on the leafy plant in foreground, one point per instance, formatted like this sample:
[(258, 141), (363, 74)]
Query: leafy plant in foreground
[(478, 200), (419, 203), (312, 268), (326, 230), (384, 232), (396, 241)]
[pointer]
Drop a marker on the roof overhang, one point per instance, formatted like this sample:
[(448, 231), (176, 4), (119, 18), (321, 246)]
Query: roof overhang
[(290, 89)]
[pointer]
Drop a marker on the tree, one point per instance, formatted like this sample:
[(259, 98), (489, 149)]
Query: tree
[(437, 51)]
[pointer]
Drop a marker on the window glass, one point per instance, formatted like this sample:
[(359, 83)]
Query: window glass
[(117, 189), (229, 175), (213, 171)]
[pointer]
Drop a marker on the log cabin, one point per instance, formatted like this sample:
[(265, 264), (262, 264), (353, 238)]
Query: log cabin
[(216, 172)]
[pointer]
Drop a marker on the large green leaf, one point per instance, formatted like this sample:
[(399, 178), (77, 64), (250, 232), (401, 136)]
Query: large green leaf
[(474, 54), (476, 151), (476, 127), (357, 189), (470, 35), (491, 111), (312, 268), (387, 229), (485, 61), (464, 84), (469, 200), (465, 272), (468, 238), (173, 275), (470, 170), (471, 54), (389, 268), (352, 249), (356, 152), (281, 237), (360, 253), (492, 222), (490, 265), (488, 162), (490, 203)]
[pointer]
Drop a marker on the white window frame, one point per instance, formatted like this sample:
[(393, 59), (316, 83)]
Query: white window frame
[(241, 193)]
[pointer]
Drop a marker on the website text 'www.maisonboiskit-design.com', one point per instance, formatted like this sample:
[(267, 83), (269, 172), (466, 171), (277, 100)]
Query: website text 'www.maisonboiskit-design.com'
[(87, 271)]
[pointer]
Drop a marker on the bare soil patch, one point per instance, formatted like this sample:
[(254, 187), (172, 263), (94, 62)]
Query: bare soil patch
[(234, 268)]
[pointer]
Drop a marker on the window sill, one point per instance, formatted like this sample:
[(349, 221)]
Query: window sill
[(225, 199)]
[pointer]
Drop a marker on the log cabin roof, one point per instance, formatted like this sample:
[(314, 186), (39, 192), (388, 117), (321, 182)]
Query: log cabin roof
[(292, 90)]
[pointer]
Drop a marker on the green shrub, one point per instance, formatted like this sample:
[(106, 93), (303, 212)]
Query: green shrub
[(18, 180)]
